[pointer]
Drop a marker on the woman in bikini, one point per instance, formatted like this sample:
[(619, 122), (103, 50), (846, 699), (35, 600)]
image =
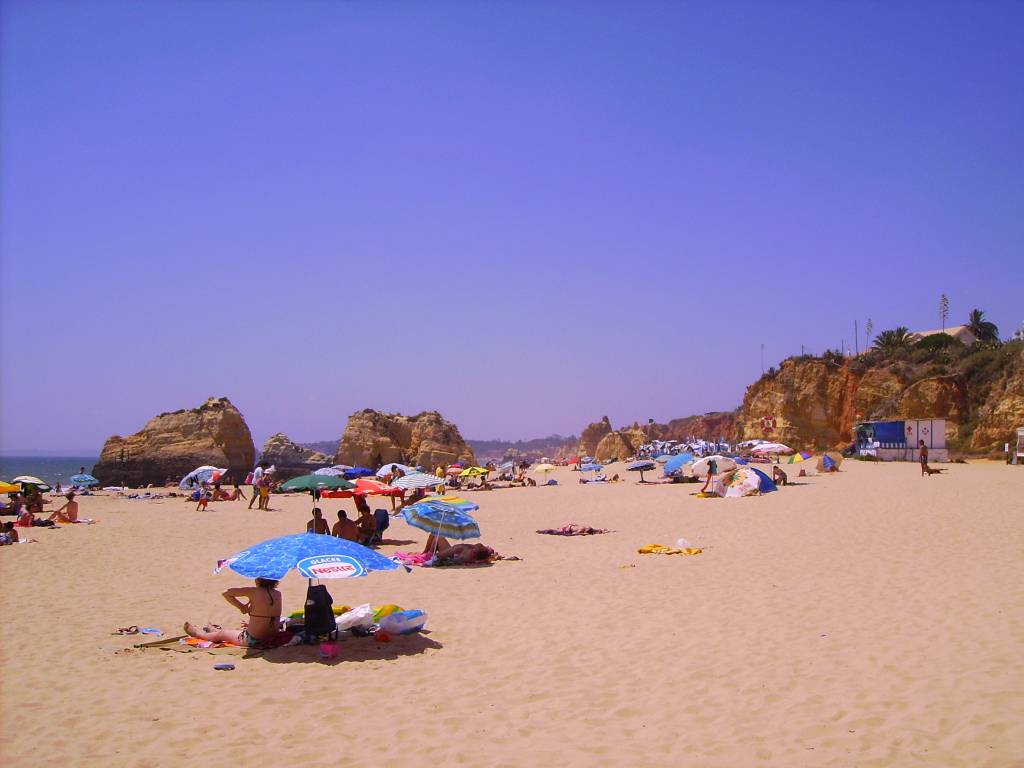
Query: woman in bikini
[(262, 604)]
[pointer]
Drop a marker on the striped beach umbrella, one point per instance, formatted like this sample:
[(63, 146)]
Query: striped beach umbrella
[(417, 480), (84, 480), (441, 519)]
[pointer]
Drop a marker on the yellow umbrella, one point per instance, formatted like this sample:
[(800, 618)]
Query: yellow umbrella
[(543, 468), (473, 472), (9, 487)]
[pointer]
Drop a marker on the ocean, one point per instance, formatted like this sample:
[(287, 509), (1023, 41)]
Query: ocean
[(52, 469)]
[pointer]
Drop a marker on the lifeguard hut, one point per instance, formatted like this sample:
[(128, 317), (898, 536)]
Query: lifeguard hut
[(897, 440)]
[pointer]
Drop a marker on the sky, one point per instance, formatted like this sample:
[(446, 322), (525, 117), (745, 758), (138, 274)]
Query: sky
[(526, 215)]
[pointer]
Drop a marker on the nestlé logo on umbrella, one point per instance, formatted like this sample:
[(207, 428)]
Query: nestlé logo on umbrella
[(330, 567)]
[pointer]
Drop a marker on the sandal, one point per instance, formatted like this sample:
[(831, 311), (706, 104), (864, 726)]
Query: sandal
[(132, 630)]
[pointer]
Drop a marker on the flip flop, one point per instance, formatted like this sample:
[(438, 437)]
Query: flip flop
[(132, 630)]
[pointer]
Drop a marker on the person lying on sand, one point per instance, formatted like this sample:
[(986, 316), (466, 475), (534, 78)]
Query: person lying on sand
[(69, 512), (463, 554), (573, 529), (262, 605)]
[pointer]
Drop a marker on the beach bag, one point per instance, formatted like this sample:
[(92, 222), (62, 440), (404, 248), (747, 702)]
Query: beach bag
[(357, 617), (318, 617)]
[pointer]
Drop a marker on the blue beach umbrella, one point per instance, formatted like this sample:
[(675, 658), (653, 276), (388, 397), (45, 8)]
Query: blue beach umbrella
[(441, 519), (84, 480), (767, 484), (641, 467), (355, 472), (313, 555), (676, 462), (591, 468)]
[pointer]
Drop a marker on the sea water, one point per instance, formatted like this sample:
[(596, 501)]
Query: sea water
[(52, 469)]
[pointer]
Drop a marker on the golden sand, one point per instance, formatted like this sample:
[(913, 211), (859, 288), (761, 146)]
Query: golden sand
[(869, 618)]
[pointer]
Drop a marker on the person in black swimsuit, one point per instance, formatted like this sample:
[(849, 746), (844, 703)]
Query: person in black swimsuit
[(262, 604)]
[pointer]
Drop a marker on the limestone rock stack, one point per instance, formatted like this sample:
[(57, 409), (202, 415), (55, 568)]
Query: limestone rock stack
[(373, 438), (173, 444)]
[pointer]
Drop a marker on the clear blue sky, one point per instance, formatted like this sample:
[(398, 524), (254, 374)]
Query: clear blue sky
[(525, 215)]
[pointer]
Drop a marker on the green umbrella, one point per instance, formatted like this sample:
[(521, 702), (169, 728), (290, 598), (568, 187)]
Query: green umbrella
[(312, 482)]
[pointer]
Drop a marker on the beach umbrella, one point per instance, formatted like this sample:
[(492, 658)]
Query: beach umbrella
[(473, 472), (591, 467), (800, 456), (506, 466), (747, 481), (545, 468), (313, 555), (313, 482), (417, 480), (387, 469), (9, 487), (354, 472), (441, 519), (366, 486), (84, 480), (767, 484), (700, 467), (772, 448), (826, 462), (641, 467), (662, 458), (455, 465), (338, 470), (573, 460), (456, 501), (677, 462), (35, 482), (200, 475)]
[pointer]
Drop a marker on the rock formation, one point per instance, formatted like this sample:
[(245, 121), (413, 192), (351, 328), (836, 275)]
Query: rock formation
[(592, 435), (173, 444), (1002, 411), (292, 459), (615, 446), (372, 438)]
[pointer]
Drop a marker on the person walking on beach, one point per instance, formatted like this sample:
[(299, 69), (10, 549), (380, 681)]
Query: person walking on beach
[(257, 475), (712, 471)]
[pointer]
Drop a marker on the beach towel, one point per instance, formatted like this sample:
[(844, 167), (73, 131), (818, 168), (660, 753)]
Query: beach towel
[(572, 529), (413, 558), (661, 549)]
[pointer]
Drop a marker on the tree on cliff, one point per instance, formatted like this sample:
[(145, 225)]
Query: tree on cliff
[(893, 340), (984, 330)]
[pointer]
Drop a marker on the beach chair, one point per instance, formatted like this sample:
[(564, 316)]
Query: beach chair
[(318, 618), (382, 520)]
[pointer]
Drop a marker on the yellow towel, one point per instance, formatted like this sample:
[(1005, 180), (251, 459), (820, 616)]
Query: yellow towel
[(661, 549)]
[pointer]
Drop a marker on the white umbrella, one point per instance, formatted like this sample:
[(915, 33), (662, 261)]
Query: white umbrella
[(772, 448), (699, 468), (200, 475), (417, 480), (336, 471), (386, 469)]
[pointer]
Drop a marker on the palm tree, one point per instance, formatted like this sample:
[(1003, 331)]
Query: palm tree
[(983, 330), (890, 341)]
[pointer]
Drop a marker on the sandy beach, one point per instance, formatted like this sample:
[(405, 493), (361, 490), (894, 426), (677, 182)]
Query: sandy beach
[(869, 618)]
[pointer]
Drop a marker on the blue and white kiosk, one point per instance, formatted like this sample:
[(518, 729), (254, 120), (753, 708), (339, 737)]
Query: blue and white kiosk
[(897, 440)]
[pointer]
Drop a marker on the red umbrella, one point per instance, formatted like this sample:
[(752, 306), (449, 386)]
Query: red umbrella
[(367, 487), (573, 460)]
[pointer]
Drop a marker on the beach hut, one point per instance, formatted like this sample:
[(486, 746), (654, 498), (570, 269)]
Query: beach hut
[(897, 440)]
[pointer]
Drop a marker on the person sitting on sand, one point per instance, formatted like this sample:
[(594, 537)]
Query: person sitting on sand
[(262, 605), (69, 512), (7, 533), (236, 494), (345, 528), (366, 524), (317, 524), (779, 477)]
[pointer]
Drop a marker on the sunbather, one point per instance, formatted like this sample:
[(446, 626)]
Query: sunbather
[(69, 512), (573, 530), (262, 605), (7, 533), (317, 524), (345, 528), (464, 554)]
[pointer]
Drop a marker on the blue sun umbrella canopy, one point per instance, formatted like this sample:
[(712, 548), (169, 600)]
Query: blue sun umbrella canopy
[(441, 519), (83, 481), (313, 555), (641, 466), (677, 462), (354, 472), (592, 467), (767, 484)]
